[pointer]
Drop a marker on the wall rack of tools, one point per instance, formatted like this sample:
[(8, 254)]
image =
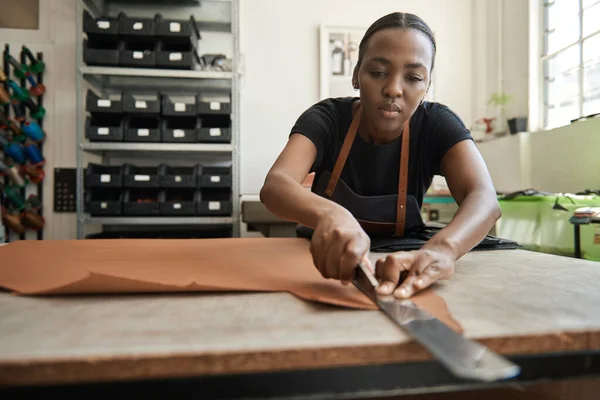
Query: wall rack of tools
[(21, 144)]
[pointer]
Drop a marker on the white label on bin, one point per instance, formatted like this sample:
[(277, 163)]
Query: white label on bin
[(105, 178), (140, 104), (175, 27), (214, 205), (104, 103), (177, 206), (102, 131), (137, 26), (175, 56), (138, 55), (178, 133), (179, 107), (141, 178), (215, 105), (215, 131), (103, 205), (143, 132), (103, 24), (215, 179), (178, 178)]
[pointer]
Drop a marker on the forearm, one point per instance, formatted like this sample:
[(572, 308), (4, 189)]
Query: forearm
[(290, 201), (477, 214)]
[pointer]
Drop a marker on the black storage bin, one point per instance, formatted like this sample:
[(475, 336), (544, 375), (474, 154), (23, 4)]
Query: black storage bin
[(178, 106), (101, 52), (215, 177), (174, 202), (104, 128), (104, 202), (178, 177), (103, 176), (177, 30), (135, 26), (140, 177), (213, 103), (215, 202), (140, 53), (141, 202), (180, 129), (141, 103), (100, 28), (177, 56), (142, 129), (111, 104), (215, 129)]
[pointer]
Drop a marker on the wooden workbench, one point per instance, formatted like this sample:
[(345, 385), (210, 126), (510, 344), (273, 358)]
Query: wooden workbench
[(542, 311)]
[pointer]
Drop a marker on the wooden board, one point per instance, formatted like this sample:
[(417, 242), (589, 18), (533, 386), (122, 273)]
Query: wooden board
[(515, 302)]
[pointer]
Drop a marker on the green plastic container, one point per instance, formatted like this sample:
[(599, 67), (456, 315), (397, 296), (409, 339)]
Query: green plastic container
[(538, 223)]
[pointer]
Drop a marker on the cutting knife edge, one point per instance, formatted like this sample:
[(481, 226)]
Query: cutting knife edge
[(464, 358)]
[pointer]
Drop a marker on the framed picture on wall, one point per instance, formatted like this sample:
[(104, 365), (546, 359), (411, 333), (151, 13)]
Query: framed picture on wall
[(338, 55)]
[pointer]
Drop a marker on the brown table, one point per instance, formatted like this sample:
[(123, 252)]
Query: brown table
[(540, 310)]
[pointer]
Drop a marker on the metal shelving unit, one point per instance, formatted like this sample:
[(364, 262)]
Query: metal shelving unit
[(211, 16)]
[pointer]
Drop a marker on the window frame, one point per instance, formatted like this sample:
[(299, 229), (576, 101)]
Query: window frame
[(542, 37)]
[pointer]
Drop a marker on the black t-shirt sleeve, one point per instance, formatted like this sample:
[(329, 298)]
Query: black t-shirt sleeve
[(318, 123), (444, 131)]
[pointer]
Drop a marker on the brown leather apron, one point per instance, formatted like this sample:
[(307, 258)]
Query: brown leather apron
[(384, 215)]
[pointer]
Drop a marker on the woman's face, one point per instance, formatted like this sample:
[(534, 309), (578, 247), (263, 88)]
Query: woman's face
[(394, 77)]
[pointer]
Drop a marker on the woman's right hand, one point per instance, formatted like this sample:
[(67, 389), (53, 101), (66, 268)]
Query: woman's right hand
[(339, 244)]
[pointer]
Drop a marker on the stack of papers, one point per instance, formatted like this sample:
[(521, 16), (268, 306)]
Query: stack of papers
[(588, 212)]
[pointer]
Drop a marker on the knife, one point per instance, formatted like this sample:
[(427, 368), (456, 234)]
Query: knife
[(461, 356)]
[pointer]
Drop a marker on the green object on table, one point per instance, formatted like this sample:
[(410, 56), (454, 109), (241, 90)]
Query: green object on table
[(541, 223)]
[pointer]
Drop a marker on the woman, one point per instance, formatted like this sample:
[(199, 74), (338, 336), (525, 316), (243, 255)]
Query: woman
[(374, 158)]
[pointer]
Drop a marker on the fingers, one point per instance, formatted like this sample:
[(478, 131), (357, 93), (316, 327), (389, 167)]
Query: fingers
[(427, 277), (335, 248), (388, 270), (421, 262), (337, 254)]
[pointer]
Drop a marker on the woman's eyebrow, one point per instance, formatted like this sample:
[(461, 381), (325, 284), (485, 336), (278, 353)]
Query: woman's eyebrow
[(414, 65), (385, 61)]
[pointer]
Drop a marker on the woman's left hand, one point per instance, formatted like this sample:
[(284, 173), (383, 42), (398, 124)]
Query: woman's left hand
[(424, 267)]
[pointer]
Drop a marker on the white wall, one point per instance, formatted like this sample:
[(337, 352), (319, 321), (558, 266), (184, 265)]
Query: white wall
[(279, 42)]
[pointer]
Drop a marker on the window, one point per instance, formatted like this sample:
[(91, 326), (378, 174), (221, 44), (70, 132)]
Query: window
[(570, 60)]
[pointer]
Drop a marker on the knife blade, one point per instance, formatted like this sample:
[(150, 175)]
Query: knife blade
[(463, 357)]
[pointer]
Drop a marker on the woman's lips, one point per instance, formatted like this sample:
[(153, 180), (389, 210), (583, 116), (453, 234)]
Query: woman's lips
[(388, 113)]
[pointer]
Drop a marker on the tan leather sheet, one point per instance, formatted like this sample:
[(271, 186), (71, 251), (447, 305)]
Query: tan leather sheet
[(151, 265)]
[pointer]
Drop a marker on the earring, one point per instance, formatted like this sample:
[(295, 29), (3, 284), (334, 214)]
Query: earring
[(355, 87)]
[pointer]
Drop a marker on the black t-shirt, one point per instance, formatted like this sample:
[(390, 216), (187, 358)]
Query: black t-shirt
[(373, 170)]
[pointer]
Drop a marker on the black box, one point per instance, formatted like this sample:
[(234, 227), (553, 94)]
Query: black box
[(104, 202), (140, 53), (213, 103), (215, 129), (179, 202), (141, 202), (178, 105), (103, 176), (100, 28), (215, 202), (111, 104), (215, 177), (141, 103), (180, 129), (136, 27), (177, 56), (144, 129), (178, 177), (140, 177), (101, 52), (177, 30), (104, 128)]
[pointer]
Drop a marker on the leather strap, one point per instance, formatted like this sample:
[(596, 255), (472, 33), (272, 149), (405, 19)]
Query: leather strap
[(403, 180), (341, 160)]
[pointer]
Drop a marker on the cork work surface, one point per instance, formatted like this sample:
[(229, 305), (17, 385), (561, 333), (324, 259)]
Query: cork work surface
[(147, 265)]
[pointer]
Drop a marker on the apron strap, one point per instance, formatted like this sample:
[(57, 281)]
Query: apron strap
[(403, 180), (341, 160)]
